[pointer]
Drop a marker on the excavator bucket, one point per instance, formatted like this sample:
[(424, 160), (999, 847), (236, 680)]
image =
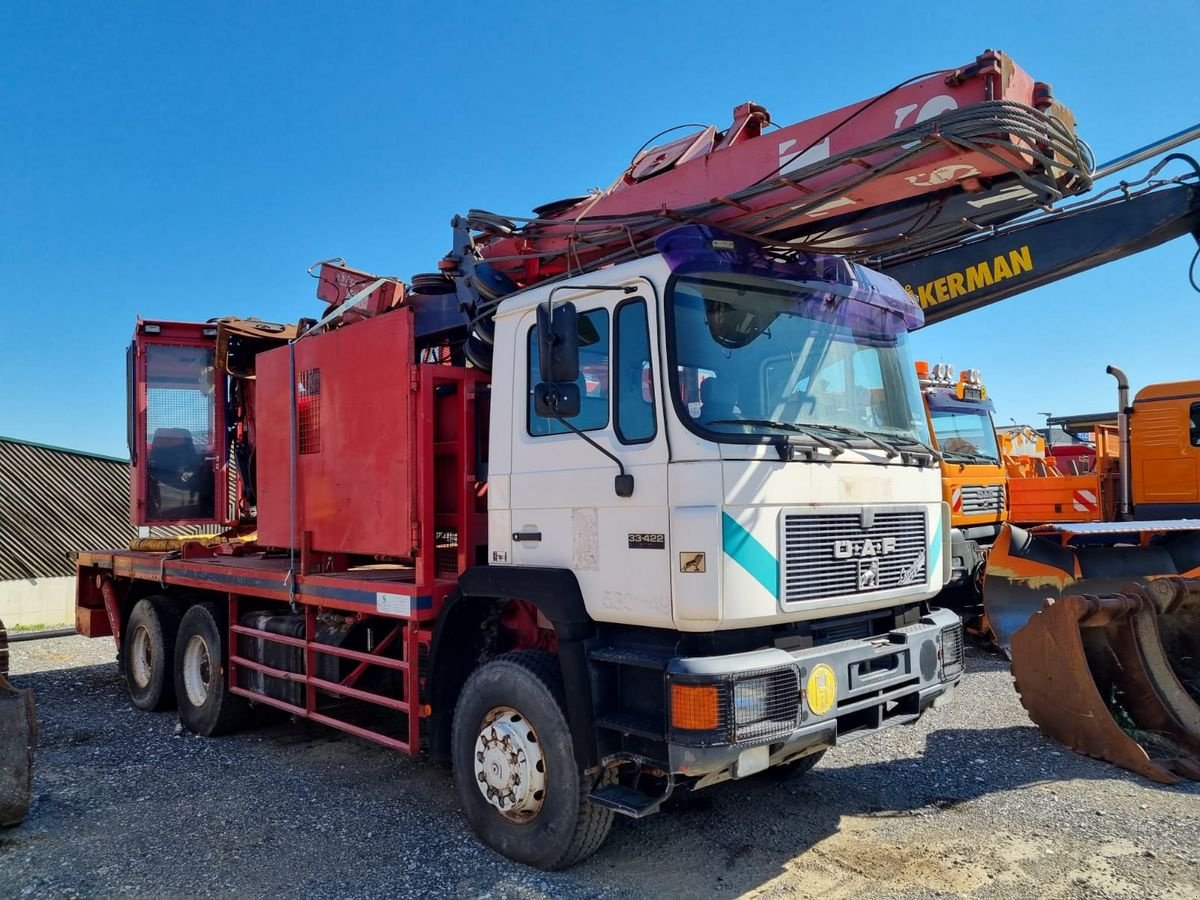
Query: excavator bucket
[(18, 734), (1105, 644)]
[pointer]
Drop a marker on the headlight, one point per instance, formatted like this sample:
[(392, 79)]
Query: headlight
[(734, 708), (750, 700), (952, 651)]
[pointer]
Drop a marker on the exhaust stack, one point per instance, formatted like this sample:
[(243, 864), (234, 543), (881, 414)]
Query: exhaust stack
[(1123, 430)]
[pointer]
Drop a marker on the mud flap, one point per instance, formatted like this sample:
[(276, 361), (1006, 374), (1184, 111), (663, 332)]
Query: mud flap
[(18, 736)]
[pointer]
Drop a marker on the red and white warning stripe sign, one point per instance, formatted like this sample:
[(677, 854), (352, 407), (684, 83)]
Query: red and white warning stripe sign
[(1085, 501), (956, 503)]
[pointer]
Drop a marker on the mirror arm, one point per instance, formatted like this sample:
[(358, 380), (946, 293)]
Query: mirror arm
[(623, 483)]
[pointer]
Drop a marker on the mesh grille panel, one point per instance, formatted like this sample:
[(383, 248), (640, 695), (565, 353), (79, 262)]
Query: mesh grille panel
[(181, 433), (749, 708), (446, 552), (766, 706), (308, 410), (952, 650)]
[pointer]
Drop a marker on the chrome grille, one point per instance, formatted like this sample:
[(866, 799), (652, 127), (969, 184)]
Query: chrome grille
[(978, 499), (825, 555)]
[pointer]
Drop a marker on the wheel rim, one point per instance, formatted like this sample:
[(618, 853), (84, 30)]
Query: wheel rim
[(197, 670), (510, 768), (141, 657)]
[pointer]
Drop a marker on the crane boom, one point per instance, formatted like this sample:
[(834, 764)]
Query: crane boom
[(1020, 257)]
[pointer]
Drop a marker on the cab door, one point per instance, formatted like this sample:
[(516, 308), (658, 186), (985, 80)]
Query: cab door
[(1166, 457), (565, 511)]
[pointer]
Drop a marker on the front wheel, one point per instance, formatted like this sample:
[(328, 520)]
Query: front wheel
[(517, 777)]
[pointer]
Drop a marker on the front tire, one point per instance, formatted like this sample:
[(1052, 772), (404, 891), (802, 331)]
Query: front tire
[(148, 653), (515, 768), (798, 767), (206, 706)]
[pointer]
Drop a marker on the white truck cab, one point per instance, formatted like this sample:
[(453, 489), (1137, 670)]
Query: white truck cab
[(723, 457), (780, 469)]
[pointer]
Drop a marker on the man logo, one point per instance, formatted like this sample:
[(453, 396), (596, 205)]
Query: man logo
[(868, 574)]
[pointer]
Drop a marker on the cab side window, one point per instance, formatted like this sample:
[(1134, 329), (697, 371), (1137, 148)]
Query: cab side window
[(593, 377), (635, 379), (1194, 423)]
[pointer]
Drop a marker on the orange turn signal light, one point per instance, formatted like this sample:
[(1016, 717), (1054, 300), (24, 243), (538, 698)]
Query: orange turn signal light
[(695, 707)]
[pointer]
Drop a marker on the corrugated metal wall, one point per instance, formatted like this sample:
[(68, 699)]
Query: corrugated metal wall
[(54, 501)]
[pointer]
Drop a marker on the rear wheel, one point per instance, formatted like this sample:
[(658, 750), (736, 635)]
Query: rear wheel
[(202, 676), (148, 653), (517, 777)]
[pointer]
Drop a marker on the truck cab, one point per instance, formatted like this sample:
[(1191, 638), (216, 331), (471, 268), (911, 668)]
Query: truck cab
[(1164, 456), (973, 475), (740, 499)]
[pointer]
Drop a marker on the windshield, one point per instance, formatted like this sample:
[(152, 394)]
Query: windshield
[(965, 434), (758, 356)]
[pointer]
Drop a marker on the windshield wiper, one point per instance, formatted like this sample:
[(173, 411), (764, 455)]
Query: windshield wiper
[(908, 443), (786, 426), (885, 446), (970, 457)]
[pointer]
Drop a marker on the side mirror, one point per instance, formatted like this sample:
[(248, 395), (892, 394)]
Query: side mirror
[(552, 401), (558, 343)]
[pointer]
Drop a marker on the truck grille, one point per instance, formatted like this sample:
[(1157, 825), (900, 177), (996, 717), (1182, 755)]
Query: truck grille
[(978, 499), (827, 556)]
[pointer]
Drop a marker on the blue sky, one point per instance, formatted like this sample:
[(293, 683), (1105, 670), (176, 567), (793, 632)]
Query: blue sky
[(188, 161)]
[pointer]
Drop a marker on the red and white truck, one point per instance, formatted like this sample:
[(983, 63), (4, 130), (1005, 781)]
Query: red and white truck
[(599, 511)]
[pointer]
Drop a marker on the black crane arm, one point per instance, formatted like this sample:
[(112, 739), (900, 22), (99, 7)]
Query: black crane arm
[(1015, 259)]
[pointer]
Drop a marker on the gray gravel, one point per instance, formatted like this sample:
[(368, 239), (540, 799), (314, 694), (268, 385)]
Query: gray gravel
[(971, 801)]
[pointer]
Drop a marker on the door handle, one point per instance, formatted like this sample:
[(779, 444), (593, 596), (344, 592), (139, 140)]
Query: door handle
[(532, 537)]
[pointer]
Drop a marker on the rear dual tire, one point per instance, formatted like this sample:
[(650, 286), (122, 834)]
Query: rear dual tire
[(206, 705), (148, 653)]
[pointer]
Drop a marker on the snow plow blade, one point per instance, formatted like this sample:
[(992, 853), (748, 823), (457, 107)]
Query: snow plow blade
[(1105, 646)]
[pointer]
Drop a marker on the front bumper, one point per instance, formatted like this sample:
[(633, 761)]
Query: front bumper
[(810, 698)]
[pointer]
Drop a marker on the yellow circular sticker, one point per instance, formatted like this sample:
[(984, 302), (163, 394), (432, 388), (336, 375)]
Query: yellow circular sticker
[(821, 689)]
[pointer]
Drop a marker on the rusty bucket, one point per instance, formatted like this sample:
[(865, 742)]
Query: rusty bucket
[(1103, 643), (18, 735)]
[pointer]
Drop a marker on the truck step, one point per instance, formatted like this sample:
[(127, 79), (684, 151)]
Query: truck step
[(627, 801), (631, 724), (625, 656)]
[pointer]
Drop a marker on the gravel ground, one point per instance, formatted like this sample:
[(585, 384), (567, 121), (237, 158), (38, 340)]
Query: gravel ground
[(972, 801)]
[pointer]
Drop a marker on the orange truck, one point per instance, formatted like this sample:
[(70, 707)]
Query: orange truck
[(973, 474), (1158, 476)]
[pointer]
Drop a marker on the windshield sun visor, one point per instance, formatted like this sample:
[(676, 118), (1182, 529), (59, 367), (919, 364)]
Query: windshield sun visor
[(879, 304)]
